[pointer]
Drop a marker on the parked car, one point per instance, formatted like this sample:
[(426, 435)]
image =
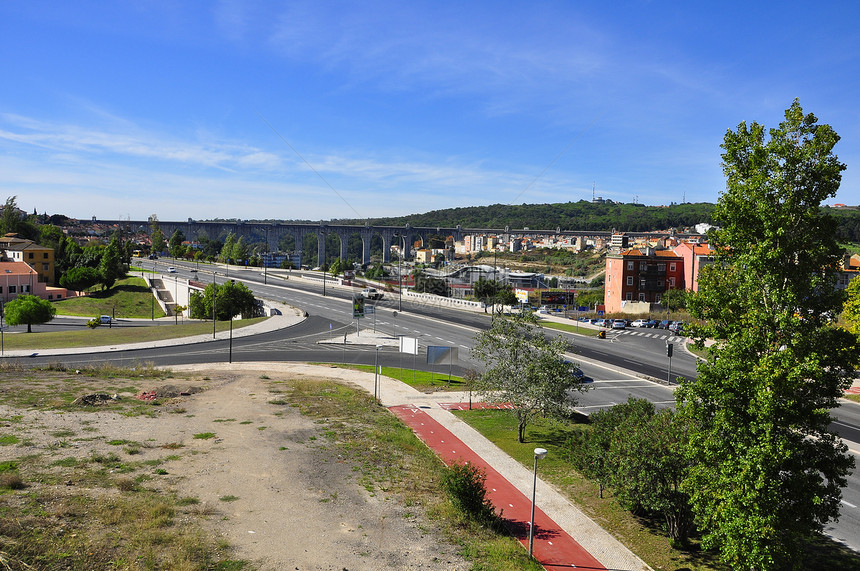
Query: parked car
[(664, 324), (651, 323), (639, 323), (619, 324), (601, 323), (677, 327)]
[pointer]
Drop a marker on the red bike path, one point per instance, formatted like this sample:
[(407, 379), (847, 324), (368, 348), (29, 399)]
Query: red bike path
[(553, 547)]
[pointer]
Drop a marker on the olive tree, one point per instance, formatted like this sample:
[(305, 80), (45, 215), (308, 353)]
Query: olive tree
[(29, 309), (525, 368)]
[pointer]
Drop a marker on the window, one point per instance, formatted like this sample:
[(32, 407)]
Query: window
[(45, 255), (641, 297), (630, 265), (641, 284), (659, 283), (25, 288), (30, 255), (671, 282), (630, 280), (643, 266), (672, 267), (661, 267), (11, 289), (629, 296), (1, 289), (657, 298), (46, 267)]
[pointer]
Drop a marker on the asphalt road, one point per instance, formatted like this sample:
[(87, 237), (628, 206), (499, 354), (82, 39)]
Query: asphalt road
[(615, 366)]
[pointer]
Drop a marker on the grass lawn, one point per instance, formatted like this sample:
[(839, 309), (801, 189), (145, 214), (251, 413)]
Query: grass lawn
[(129, 297), (420, 380), (116, 335), (570, 328), (644, 536)]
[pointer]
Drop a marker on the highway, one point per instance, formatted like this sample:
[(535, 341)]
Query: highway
[(627, 363)]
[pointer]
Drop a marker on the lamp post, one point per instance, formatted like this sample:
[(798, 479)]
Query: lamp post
[(540, 454), (376, 376), (214, 292)]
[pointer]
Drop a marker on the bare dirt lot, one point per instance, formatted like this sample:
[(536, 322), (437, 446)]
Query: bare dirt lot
[(264, 477)]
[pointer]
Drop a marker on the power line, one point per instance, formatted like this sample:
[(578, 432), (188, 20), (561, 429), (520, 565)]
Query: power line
[(310, 166), (558, 156)]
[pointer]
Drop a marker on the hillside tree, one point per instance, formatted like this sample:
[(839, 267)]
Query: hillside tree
[(766, 469)]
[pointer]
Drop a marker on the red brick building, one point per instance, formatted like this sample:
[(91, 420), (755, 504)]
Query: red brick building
[(641, 275)]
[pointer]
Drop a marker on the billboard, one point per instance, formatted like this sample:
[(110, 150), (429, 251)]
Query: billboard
[(437, 354), (556, 297)]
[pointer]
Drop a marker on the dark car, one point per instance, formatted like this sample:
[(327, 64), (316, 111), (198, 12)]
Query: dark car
[(677, 327), (651, 323), (665, 324)]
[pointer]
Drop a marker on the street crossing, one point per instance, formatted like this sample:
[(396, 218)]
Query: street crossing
[(650, 334)]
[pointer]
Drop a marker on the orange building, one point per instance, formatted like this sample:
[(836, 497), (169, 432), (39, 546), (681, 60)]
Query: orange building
[(641, 276), (696, 256)]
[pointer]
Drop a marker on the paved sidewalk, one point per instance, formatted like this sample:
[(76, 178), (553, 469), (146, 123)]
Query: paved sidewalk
[(560, 522), (289, 316)]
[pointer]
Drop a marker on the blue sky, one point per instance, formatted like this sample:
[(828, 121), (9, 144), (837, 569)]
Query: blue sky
[(323, 110)]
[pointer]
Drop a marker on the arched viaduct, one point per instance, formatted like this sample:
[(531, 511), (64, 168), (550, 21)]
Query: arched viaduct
[(272, 232)]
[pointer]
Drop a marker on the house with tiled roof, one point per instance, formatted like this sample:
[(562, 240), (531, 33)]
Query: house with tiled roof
[(40, 258), (850, 270)]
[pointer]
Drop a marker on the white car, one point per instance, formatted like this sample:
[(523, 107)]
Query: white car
[(171, 270), (640, 323)]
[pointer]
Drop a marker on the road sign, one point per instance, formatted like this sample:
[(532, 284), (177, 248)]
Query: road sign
[(357, 306)]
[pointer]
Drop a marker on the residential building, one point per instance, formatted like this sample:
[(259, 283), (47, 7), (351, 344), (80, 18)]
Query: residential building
[(636, 275), (40, 258), (696, 256), (850, 270)]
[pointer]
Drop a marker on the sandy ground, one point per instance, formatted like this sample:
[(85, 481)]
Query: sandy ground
[(293, 503)]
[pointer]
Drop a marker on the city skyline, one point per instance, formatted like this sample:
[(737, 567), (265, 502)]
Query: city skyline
[(335, 111)]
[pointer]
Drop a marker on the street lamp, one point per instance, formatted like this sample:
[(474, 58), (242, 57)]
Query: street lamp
[(376, 375), (214, 294), (540, 454)]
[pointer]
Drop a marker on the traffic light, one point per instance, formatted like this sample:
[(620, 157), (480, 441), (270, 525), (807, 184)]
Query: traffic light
[(669, 347)]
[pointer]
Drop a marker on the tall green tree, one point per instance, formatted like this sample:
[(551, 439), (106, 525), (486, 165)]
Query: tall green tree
[(29, 309), (525, 368), (10, 218), (226, 254), (157, 240), (767, 471), (177, 250), (111, 267)]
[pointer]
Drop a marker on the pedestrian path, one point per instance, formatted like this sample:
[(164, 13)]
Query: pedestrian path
[(552, 546), (561, 525)]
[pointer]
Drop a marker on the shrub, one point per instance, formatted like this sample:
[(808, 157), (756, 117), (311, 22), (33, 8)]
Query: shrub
[(465, 486)]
